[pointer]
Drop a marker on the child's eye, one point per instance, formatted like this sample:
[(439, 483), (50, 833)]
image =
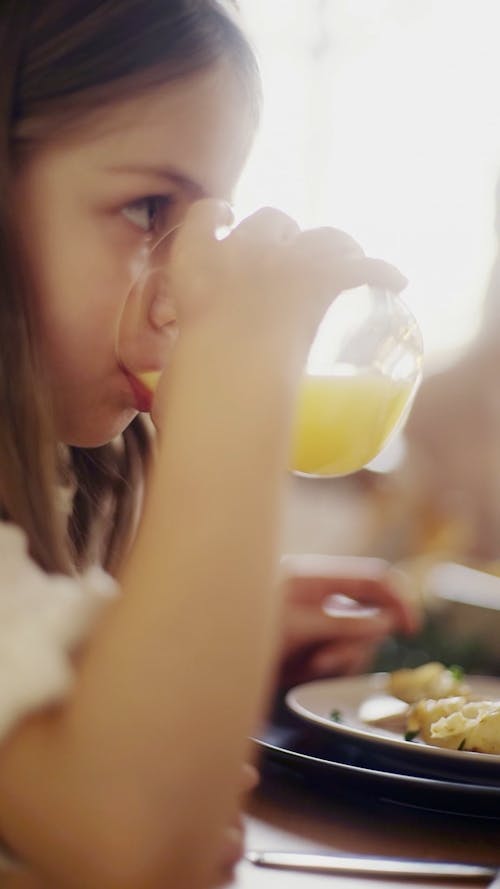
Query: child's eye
[(147, 213)]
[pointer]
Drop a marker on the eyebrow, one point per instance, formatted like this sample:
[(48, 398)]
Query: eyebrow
[(174, 175)]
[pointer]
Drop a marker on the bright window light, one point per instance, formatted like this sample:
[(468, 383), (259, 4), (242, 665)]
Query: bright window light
[(382, 117)]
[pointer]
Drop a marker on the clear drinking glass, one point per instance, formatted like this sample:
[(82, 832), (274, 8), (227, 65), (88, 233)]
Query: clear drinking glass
[(362, 374)]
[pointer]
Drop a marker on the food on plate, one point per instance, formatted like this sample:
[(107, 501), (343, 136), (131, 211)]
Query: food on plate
[(431, 680), (442, 712), (457, 723)]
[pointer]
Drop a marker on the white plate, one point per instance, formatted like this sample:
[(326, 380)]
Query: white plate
[(358, 698)]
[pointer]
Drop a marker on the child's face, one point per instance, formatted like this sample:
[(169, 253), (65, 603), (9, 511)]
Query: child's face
[(88, 205)]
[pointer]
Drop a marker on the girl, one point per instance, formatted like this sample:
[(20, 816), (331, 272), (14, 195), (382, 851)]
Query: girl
[(125, 716)]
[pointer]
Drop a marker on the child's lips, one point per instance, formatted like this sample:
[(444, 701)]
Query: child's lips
[(143, 397)]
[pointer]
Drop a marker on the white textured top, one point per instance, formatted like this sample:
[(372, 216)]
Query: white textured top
[(43, 617)]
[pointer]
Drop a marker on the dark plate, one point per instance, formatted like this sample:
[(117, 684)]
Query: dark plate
[(332, 767)]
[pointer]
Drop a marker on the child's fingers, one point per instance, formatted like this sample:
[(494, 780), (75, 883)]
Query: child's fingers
[(343, 658), (204, 217), (385, 594), (266, 225), (308, 627), (377, 273), (365, 590), (336, 262), (327, 244), (314, 590)]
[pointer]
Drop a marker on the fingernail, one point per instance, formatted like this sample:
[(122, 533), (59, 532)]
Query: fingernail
[(333, 608)]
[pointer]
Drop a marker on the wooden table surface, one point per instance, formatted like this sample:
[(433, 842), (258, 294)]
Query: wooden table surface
[(284, 816)]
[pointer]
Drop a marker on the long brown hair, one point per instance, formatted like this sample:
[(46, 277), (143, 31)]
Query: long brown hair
[(60, 60)]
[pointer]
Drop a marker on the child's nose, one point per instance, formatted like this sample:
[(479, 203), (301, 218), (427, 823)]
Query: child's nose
[(161, 310), (161, 307)]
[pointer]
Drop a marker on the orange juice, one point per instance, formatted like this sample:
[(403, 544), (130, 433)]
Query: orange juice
[(150, 379), (343, 421)]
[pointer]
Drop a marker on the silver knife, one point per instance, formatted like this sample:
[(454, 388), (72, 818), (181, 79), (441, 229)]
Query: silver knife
[(374, 865)]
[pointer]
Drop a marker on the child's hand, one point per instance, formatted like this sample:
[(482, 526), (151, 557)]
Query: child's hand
[(326, 634), (266, 278), (261, 291)]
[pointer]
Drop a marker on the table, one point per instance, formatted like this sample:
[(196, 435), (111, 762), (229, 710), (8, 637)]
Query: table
[(284, 816)]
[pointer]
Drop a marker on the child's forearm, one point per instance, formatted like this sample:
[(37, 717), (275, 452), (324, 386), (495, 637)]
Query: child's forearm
[(206, 552), (182, 659)]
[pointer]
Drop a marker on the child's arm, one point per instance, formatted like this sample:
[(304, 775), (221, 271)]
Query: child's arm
[(152, 743), (133, 781)]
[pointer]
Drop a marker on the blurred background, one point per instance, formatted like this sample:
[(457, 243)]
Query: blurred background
[(381, 117)]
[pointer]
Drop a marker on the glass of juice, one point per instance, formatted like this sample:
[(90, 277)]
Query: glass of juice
[(362, 374)]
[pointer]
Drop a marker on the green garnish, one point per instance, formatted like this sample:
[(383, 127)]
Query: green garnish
[(410, 736), (461, 745), (336, 716), (456, 671)]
